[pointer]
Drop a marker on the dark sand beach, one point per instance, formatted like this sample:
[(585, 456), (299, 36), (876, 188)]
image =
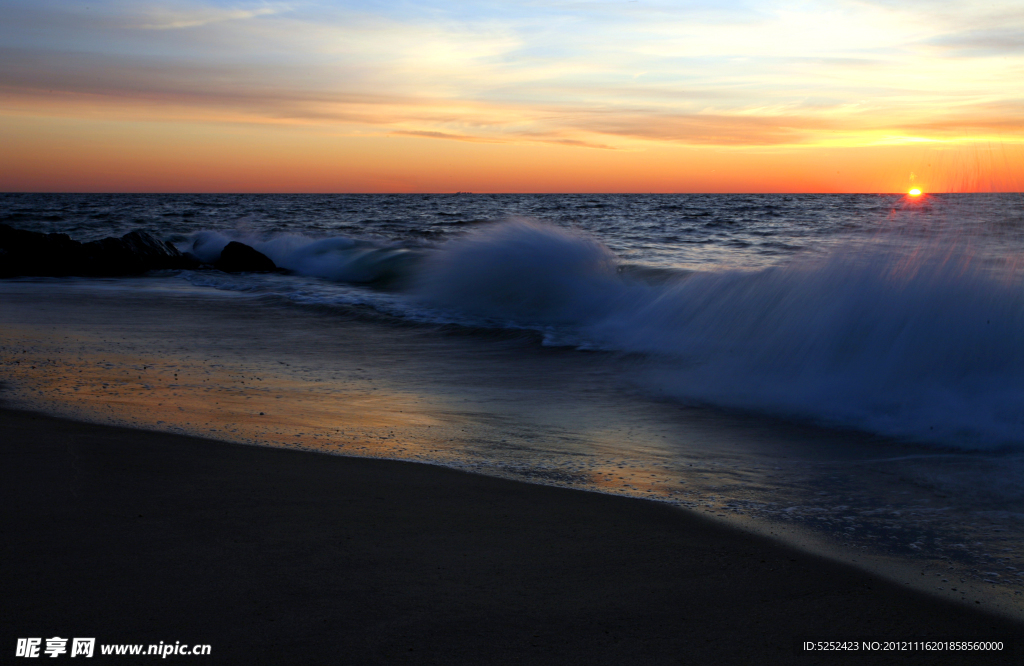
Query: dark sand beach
[(275, 556)]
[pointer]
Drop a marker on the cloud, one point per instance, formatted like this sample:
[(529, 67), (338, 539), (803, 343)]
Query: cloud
[(444, 135), (710, 129), (996, 119), (579, 144), (588, 74), (518, 137), (983, 43), (171, 20)]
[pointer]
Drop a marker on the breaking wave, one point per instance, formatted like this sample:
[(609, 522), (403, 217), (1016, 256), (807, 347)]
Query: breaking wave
[(921, 341), (915, 339)]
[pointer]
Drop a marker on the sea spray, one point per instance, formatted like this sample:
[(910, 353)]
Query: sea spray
[(336, 258), (912, 339), (876, 337), (523, 271), (910, 331), (792, 305)]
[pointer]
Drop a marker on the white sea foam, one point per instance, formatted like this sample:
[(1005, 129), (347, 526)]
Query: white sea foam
[(207, 245), (922, 347), (338, 258), (908, 339), (523, 271)]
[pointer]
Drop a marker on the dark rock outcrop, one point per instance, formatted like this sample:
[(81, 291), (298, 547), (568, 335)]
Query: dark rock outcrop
[(240, 258), (30, 253)]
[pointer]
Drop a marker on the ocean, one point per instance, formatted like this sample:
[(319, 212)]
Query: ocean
[(844, 372)]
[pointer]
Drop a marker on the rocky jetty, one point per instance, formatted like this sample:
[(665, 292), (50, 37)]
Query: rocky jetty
[(30, 253)]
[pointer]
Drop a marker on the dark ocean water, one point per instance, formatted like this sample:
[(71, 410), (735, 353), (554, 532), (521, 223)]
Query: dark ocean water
[(885, 313), (890, 328)]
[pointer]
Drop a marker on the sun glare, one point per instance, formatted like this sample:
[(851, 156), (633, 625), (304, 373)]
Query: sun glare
[(914, 192)]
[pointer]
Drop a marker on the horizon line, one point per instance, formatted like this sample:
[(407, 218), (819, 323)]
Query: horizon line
[(461, 193)]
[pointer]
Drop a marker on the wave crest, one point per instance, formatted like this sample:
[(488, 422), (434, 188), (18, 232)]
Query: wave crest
[(909, 338), (522, 270)]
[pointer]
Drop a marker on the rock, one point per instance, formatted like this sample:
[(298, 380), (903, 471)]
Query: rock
[(31, 253), (134, 253), (240, 258)]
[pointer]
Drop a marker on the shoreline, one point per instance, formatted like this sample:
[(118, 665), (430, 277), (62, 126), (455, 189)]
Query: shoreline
[(190, 363), (271, 554)]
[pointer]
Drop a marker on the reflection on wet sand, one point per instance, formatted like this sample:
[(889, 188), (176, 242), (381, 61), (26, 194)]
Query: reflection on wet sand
[(513, 410)]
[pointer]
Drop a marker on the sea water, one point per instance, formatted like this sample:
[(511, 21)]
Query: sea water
[(841, 368)]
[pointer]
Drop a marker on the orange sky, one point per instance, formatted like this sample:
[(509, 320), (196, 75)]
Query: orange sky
[(586, 97)]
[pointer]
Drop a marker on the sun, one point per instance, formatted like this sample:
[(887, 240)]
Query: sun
[(914, 192)]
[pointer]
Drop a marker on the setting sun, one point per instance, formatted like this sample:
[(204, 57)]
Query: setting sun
[(914, 192)]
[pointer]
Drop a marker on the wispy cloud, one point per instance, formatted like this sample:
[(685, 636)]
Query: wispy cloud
[(588, 74), (164, 19), (983, 43), (444, 135), (518, 137)]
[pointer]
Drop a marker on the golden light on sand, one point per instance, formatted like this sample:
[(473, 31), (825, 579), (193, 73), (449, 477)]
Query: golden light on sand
[(914, 192)]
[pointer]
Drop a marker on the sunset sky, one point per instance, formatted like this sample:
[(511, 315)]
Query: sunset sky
[(625, 96)]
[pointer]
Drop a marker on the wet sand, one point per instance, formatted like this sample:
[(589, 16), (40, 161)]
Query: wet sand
[(160, 355), (278, 556)]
